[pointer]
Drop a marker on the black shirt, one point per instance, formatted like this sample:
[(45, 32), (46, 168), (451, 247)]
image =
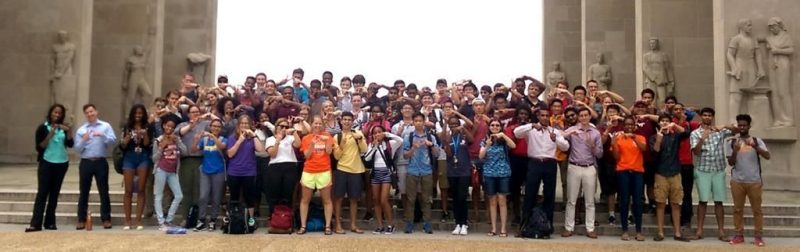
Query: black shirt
[(667, 160)]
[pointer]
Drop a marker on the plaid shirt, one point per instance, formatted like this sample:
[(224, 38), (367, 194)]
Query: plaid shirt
[(711, 158)]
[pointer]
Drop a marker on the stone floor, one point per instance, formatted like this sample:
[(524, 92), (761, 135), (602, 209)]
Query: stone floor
[(23, 176)]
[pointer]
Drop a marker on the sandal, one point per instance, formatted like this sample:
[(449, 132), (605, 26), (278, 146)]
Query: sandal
[(356, 230), (301, 231), (639, 237), (659, 237), (491, 234), (724, 238), (338, 231), (503, 234), (625, 236), (328, 231)]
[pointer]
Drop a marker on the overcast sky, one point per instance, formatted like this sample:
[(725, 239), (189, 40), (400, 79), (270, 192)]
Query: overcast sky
[(418, 41)]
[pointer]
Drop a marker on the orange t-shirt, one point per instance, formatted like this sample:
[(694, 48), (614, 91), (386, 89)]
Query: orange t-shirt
[(558, 122), (630, 156), (319, 161)]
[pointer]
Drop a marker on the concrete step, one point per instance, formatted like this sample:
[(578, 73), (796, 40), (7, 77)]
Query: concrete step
[(117, 197), (606, 230)]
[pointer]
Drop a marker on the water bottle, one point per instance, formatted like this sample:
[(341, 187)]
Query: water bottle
[(176, 230), (88, 222)]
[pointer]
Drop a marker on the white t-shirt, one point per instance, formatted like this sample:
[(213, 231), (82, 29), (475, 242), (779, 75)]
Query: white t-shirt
[(285, 150)]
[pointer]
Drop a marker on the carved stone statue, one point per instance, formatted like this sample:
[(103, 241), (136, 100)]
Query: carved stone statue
[(61, 63), (745, 62), (658, 74), (198, 65), (600, 72), (781, 48), (134, 82), (555, 76)]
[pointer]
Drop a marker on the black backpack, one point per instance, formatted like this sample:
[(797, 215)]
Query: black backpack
[(236, 222), (191, 217), (536, 225)]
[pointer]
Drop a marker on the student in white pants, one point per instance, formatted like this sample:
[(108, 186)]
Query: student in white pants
[(586, 148)]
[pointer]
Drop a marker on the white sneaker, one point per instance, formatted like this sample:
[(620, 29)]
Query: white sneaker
[(457, 230), (464, 230)]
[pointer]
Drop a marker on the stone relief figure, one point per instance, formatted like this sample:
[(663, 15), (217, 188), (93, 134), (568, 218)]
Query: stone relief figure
[(198, 65), (600, 72), (781, 48), (556, 75), (745, 64), (61, 63), (658, 74), (134, 81)]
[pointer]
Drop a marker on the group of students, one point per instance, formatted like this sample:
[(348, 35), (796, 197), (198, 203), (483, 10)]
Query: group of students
[(286, 140)]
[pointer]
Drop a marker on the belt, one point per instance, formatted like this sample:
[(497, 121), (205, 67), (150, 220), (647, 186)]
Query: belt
[(94, 158), (543, 159), (580, 165)]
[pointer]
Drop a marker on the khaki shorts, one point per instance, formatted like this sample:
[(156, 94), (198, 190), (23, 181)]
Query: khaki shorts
[(316, 180), (668, 188), (443, 183)]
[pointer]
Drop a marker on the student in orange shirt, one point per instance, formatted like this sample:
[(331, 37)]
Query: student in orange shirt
[(628, 149), (317, 148)]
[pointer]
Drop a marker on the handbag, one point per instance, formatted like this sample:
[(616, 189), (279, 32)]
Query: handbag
[(117, 155)]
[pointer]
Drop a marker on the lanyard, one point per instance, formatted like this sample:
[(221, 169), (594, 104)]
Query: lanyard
[(456, 142)]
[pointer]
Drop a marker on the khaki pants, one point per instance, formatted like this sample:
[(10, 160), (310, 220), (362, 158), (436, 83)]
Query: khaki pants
[(424, 186), (741, 192)]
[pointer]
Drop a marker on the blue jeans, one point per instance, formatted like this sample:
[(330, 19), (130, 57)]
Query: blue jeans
[(631, 184), (161, 178)]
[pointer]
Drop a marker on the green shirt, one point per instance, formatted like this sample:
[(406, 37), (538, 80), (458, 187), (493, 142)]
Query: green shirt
[(56, 151)]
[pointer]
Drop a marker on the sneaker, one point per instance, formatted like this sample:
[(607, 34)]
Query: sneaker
[(163, 227), (251, 222), (200, 226), (211, 226), (445, 216), (409, 228), (759, 242), (378, 230), (457, 230), (464, 230), (737, 239), (388, 230), (368, 216), (427, 228), (612, 220)]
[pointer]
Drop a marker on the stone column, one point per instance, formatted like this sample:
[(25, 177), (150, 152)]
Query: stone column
[(562, 38), (609, 28)]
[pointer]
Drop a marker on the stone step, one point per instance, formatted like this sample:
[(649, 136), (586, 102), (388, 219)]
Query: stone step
[(606, 230), (117, 197)]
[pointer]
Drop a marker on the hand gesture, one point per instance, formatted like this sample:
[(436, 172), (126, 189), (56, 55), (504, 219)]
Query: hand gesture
[(552, 135), (537, 126), (489, 141), (428, 143), (97, 133)]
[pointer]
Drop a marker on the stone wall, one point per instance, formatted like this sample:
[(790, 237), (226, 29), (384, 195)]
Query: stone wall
[(609, 28), (189, 26), (562, 38), (685, 32), (120, 25), (28, 30)]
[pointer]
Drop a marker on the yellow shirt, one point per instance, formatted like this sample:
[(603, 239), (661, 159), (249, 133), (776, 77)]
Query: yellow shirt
[(349, 155)]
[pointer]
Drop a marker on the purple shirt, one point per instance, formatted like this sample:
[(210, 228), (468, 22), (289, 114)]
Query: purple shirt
[(580, 153), (244, 162)]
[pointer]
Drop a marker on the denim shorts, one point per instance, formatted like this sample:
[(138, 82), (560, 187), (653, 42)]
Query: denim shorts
[(133, 160), (495, 185)]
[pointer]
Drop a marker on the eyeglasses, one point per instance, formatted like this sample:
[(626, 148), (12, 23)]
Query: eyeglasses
[(571, 115), (494, 125), (283, 126)]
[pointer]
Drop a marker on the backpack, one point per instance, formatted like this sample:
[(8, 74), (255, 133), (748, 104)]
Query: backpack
[(236, 222), (433, 160), (281, 218), (536, 225), (191, 217)]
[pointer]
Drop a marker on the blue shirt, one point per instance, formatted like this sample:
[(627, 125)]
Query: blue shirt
[(213, 161), (496, 164), (420, 162), (302, 95), (96, 146)]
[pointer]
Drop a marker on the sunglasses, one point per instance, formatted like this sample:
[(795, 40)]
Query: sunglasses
[(495, 125), (571, 115)]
